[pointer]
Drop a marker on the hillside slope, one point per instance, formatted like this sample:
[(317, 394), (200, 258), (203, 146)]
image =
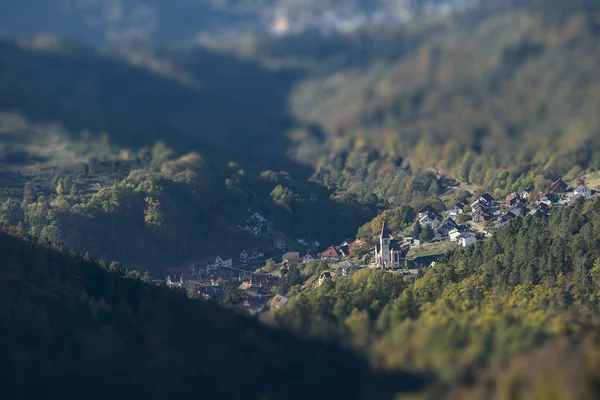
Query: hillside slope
[(74, 328), (487, 98)]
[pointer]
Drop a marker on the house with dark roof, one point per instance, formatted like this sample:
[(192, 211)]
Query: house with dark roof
[(456, 210), (425, 210), (445, 227), (541, 209), (389, 253), (558, 186), (430, 219), (331, 255), (292, 257), (487, 199), (504, 219)]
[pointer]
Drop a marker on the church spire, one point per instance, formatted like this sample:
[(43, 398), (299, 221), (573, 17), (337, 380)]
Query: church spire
[(385, 232)]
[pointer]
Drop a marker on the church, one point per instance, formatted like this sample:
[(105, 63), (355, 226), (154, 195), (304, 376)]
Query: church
[(389, 254)]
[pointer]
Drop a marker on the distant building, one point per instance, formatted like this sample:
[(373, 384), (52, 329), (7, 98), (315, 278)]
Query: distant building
[(279, 301), (463, 239), (388, 252), (456, 210), (467, 239), (429, 219), (292, 257), (331, 255), (445, 227), (307, 258), (326, 275), (558, 186), (279, 242), (582, 191)]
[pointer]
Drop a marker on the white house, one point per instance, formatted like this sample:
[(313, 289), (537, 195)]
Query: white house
[(429, 219), (454, 234), (220, 263), (463, 239), (467, 239), (455, 211), (582, 191)]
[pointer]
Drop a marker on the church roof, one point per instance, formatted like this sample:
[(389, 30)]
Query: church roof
[(385, 231)]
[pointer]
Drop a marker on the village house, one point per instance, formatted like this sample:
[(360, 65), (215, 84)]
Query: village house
[(292, 257), (279, 242), (388, 252), (345, 269), (454, 234), (480, 214), (480, 208), (548, 199), (344, 247), (513, 199), (221, 263), (256, 224), (331, 255), (558, 186), (463, 239), (582, 191), (541, 208), (326, 275), (430, 220), (246, 258), (466, 239), (516, 210), (445, 227), (411, 241), (504, 219), (525, 194), (487, 199), (279, 301), (307, 258), (456, 210), (426, 210)]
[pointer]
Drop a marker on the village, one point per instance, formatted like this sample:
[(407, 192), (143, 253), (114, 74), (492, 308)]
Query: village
[(255, 276)]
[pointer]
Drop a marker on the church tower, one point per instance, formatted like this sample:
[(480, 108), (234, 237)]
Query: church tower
[(384, 247)]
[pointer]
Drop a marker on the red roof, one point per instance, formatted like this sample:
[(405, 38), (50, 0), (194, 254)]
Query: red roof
[(330, 252)]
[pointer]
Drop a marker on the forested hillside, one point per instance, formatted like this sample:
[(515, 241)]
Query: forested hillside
[(73, 327), (488, 98), (184, 21), (536, 280)]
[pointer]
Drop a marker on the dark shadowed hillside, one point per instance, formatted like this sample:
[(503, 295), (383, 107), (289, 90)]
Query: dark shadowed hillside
[(73, 327)]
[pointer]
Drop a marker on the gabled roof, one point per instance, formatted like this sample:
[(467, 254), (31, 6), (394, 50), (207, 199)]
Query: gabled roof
[(512, 196), (580, 189), (429, 215), (330, 252), (327, 275), (558, 185), (427, 209), (278, 300), (385, 231), (487, 197)]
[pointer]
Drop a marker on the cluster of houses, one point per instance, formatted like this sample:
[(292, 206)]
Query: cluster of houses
[(390, 254), (255, 290), (442, 227), (251, 257), (255, 224)]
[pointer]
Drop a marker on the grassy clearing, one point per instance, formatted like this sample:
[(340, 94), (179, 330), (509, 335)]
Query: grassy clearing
[(431, 249)]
